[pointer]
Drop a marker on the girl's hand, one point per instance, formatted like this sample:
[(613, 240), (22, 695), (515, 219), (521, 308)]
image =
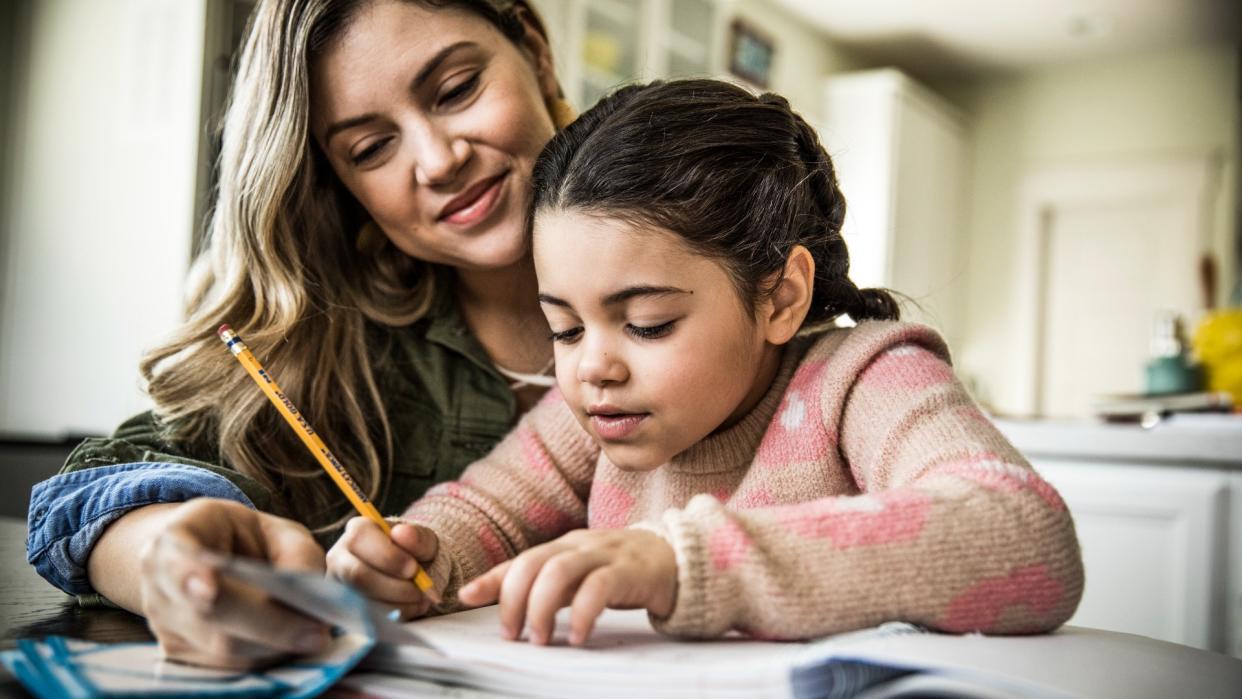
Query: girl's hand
[(200, 616), (587, 570), (381, 567)]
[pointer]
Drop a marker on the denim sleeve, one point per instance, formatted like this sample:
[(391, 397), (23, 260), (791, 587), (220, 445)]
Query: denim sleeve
[(69, 512)]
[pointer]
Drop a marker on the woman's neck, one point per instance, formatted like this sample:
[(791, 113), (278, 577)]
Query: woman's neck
[(513, 289), (501, 308)]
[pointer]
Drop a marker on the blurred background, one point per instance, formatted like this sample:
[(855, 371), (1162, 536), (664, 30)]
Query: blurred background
[(1053, 185)]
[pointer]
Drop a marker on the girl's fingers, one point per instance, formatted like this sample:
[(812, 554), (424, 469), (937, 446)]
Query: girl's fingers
[(484, 589), (515, 588), (590, 601), (377, 585), (417, 540), (369, 544), (554, 588)]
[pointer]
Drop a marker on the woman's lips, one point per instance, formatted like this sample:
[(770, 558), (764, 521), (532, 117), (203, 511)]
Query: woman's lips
[(476, 207), (617, 426)]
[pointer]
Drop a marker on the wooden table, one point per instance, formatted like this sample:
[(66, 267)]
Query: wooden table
[(30, 606)]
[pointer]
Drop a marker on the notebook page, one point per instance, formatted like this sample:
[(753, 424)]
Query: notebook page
[(625, 657)]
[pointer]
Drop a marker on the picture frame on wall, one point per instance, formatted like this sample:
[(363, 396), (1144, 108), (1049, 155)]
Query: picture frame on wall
[(750, 54)]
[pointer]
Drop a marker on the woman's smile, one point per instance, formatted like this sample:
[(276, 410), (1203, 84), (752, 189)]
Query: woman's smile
[(476, 203)]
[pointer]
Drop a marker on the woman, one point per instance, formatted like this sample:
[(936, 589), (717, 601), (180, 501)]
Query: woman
[(368, 242)]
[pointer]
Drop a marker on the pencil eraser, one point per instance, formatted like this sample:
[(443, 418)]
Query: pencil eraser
[(223, 329)]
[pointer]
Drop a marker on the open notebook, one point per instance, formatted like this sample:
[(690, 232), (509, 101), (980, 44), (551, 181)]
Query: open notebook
[(626, 658)]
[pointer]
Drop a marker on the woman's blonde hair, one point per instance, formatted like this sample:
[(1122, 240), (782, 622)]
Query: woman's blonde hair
[(283, 267)]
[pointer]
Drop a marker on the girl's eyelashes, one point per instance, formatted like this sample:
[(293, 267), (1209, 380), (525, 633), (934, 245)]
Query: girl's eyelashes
[(566, 336), (645, 332), (641, 332)]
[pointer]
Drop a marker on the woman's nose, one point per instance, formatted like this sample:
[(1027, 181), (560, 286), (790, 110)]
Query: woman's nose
[(439, 156), (598, 366)]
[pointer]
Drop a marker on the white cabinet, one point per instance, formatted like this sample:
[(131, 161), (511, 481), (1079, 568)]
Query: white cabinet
[(600, 44), (1159, 517), (901, 155), (1153, 541)]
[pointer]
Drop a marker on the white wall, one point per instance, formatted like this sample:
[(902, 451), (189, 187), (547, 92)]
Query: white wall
[(1178, 102), (102, 192)]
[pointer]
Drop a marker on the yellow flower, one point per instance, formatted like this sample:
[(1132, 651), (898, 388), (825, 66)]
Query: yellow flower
[(1218, 342)]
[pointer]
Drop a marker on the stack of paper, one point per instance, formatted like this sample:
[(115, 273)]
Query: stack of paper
[(625, 658)]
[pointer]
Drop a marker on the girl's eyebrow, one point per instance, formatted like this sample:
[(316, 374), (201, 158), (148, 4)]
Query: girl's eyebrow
[(423, 73), (621, 296)]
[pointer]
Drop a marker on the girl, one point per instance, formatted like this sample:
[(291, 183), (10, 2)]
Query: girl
[(739, 463), (369, 241)]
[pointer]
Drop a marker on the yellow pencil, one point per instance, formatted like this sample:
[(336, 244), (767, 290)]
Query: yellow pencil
[(311, 439)]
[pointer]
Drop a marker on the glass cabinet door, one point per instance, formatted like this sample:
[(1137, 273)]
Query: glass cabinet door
[(611, 46), (688, 41)]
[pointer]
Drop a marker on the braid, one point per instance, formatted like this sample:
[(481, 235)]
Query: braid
[(835, 293)]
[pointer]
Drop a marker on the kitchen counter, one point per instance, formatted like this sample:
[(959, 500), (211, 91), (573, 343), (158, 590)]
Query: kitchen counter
[(1213, 440)]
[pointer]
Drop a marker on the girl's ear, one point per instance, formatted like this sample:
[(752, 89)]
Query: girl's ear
[(535, 46), (791, 300)]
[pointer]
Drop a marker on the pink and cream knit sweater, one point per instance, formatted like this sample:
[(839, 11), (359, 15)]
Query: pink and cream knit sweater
[(865, 487)]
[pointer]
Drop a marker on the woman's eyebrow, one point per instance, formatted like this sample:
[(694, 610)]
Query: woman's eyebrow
[(421, 77)]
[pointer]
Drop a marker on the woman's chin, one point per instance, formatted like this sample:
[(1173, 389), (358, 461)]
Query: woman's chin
[(497, 251)]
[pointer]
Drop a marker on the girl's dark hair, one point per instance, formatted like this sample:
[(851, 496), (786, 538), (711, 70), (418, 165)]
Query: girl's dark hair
[(740, 178)]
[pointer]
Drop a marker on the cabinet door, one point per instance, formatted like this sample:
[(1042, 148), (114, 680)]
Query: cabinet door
[(1154, 547)]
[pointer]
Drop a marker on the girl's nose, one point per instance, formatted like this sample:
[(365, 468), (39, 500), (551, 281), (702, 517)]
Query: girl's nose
[(439, 157), (599, 367)]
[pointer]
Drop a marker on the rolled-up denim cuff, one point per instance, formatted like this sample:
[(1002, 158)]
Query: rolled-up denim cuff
[(69, 512)]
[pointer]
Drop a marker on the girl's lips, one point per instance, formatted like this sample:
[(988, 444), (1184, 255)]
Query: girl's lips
[(478, 209), (618, 426)]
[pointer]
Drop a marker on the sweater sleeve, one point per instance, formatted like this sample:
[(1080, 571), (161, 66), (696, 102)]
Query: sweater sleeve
[(531, 488), (951, 527)]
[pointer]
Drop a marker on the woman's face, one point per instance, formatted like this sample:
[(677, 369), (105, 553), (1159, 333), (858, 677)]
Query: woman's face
[(433, 120)]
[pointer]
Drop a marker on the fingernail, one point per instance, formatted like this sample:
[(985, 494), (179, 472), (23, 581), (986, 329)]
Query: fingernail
[(197, 586), (575, 638), (508, 633)]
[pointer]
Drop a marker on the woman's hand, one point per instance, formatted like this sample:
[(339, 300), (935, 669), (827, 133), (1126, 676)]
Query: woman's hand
[(587, 570), (198, 615), (383, 568)]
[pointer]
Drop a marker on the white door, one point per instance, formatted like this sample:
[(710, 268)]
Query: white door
[(1102, 250)]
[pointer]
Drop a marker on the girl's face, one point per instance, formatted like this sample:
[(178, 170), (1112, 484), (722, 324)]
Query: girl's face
[(433, 120), (654, 348)]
